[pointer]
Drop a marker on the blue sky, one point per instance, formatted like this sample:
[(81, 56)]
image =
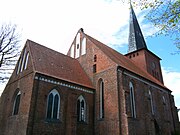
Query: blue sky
[(54, 23)]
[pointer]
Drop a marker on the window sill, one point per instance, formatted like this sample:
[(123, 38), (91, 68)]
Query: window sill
[(101, 119), (82, 122), (132, 118), (52, 121)]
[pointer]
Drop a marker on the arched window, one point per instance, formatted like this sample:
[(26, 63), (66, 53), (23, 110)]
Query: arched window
[(53, 105), (77, 45), (101, 96), (26, 60), (16, 103), (83, 46), (164, 100), (132, 100), (151, 102), (19, 65), (72, 51), (165, 108), (23, 60), (81, 109)]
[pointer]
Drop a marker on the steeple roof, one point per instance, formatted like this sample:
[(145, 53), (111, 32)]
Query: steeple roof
[(124, 62), (136, 39)]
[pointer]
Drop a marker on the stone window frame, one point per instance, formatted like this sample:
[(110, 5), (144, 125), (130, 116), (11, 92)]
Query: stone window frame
[(53, 113), (83, 46), (26, 61), (23, 61), (77, 52), (101, 99), (132, 100), (151, 102), (81, 109), (16, 103)]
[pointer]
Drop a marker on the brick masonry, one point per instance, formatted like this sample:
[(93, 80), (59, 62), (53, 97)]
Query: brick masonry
[(118, 120)]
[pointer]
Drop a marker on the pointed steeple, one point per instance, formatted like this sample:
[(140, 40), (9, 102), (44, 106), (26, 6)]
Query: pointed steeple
[(136, 39)]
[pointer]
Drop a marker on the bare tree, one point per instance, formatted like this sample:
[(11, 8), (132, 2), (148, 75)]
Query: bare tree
[(9, 50)]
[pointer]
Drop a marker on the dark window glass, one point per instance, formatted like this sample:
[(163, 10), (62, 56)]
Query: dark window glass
[(94, 68), (95, 58), (132, 100), (78, 110), (102, 99), (82, 111), (49, 109), (55, 109), (101, 88), (16, 104)]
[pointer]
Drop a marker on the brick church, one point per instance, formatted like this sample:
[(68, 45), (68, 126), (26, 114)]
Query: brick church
[(93, 90)]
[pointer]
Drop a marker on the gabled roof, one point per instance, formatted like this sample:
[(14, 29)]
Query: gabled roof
[(49, 62), (136, 38), (124, 62)]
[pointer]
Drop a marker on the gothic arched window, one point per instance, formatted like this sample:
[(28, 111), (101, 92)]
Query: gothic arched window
[(132, 100), (53, 105), (101, 96), (72, 51), (16, 103), (164, 100), (26, 61), (77, 45), (81, 109), (83, 51), (151, 102)]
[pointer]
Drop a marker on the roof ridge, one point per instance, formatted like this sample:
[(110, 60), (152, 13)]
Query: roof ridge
[(59, 65), (124, 63)]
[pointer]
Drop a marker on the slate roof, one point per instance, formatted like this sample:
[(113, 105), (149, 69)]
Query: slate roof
[(125, 62), (55, 64), (136, 38)]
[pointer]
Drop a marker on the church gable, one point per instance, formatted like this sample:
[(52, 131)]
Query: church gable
[(78, 47), (24, 64), (57, 65), (90, 56)]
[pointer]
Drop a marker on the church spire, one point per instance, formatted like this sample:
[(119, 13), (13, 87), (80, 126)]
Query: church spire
[(136, 39)]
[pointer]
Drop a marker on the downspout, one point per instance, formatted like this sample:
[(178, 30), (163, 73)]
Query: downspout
[(123, 123)]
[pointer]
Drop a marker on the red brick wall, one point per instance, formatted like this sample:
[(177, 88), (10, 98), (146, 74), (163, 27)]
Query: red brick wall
[(16, 123), (144, 123), (145, 59), (68, 112), (106, 70)]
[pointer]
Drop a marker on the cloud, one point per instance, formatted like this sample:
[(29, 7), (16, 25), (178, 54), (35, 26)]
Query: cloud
[(172, 81)]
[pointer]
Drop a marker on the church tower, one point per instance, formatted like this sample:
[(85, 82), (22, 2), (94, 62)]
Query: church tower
[(138, 51)]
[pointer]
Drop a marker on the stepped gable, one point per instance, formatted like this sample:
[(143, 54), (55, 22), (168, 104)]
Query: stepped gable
[(125, 62), (52, 63)]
